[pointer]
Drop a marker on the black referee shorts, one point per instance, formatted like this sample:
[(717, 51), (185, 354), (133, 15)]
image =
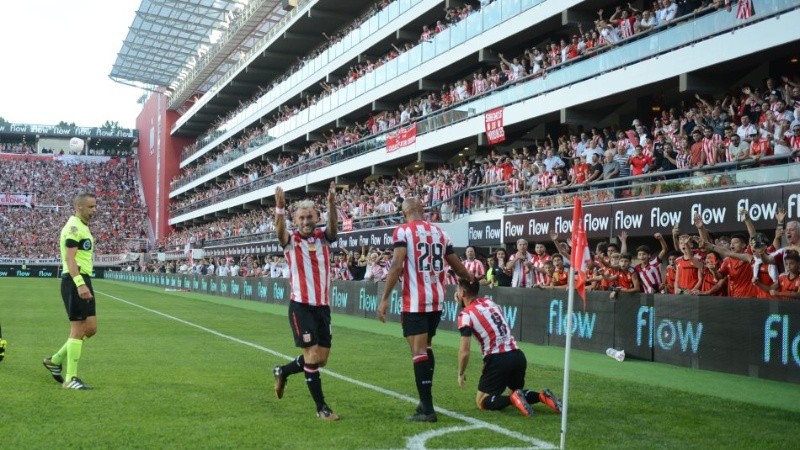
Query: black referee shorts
[(311, 325), (503, 370), (77, 308)]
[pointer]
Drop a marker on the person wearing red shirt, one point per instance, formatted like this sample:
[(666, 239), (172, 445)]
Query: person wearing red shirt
[(697, 157), (687, 269), (560, 275), (788, 284), (669, 275), (579, 172), (504, 364), (640, 164), (710, 285), (627, 280), (761, 146), (737, 270), (307, 251), (421, 250)]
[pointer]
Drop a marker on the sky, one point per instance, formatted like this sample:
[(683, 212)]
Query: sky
[(57, 57)]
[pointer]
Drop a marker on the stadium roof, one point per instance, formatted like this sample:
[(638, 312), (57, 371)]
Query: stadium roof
[(172, 40)]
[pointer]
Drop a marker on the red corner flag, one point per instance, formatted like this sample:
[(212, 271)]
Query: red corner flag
[(580, 250)]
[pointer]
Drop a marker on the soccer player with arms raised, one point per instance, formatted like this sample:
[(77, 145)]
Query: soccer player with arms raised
[(307, 251), (77, 248), (420, 252), (504, 364)]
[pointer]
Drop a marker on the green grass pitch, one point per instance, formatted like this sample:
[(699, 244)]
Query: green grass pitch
[(182, 370)]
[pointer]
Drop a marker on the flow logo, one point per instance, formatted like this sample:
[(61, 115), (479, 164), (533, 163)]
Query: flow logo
[(776, 328), (366, 301), (338, 298), (278, 291), (666, 333), (582, 322)]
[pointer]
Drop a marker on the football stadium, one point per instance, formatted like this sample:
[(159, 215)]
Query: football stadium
[(592, 205)]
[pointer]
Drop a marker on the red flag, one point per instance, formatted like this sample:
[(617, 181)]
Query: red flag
[(580, 250)]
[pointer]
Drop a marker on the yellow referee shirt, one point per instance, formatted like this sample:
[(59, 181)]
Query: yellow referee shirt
[(77, 234)]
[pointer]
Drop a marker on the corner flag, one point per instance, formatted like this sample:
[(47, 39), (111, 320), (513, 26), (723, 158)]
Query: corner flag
[(580, 250)]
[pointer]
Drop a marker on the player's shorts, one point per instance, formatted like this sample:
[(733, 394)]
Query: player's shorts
[(503, 370), (420, 323), (311, 325), (77, 308)]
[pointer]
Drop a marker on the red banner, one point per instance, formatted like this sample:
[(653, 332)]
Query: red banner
[(403, 137), (493, 121)]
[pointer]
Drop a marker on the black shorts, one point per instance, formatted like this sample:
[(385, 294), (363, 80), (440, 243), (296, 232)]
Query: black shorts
[(311, 325), (420, 323), (503, 370), (77, 308)]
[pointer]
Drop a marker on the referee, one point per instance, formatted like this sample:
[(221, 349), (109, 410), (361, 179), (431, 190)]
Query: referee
[(77, 248)]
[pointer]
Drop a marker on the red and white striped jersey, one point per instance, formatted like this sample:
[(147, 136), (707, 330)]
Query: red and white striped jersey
[(475, 267), (450, 278), (341, 271), (545, 180), (709, 148), (538, 262), (309, 267), (446, 191), (522, 276), (744, 9), (626, 27), (650, 276), (485, 320), (424, 268)]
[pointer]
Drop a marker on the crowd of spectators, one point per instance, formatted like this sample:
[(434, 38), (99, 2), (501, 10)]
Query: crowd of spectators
[(33, 231), (19, 148), (734, 128), (743, 126), (745, 264), (373, 202), (531, 63)]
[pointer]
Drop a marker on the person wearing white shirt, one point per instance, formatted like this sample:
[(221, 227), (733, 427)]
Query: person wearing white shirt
[(552, 161), (405, 115), (223, 270), (746, 130), (671, 10), (284, 267), (275, 270), (647, 22)]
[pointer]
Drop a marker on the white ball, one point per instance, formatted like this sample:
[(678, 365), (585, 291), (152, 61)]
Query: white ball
[(76, 144)]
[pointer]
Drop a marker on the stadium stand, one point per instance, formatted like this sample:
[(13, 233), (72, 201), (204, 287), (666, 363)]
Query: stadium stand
[(31, 230), (396, 102), (678, 144)]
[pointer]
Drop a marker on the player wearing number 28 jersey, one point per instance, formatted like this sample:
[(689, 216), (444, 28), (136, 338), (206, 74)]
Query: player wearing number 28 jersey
[(424, 272), (420, 252)]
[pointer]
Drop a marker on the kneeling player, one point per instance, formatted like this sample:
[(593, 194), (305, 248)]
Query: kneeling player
[(504, 364)]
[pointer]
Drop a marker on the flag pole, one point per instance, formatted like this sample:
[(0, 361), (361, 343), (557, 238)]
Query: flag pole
[(567, 351)]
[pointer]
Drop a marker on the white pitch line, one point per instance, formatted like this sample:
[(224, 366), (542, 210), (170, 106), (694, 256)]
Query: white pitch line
[(476, 423)]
